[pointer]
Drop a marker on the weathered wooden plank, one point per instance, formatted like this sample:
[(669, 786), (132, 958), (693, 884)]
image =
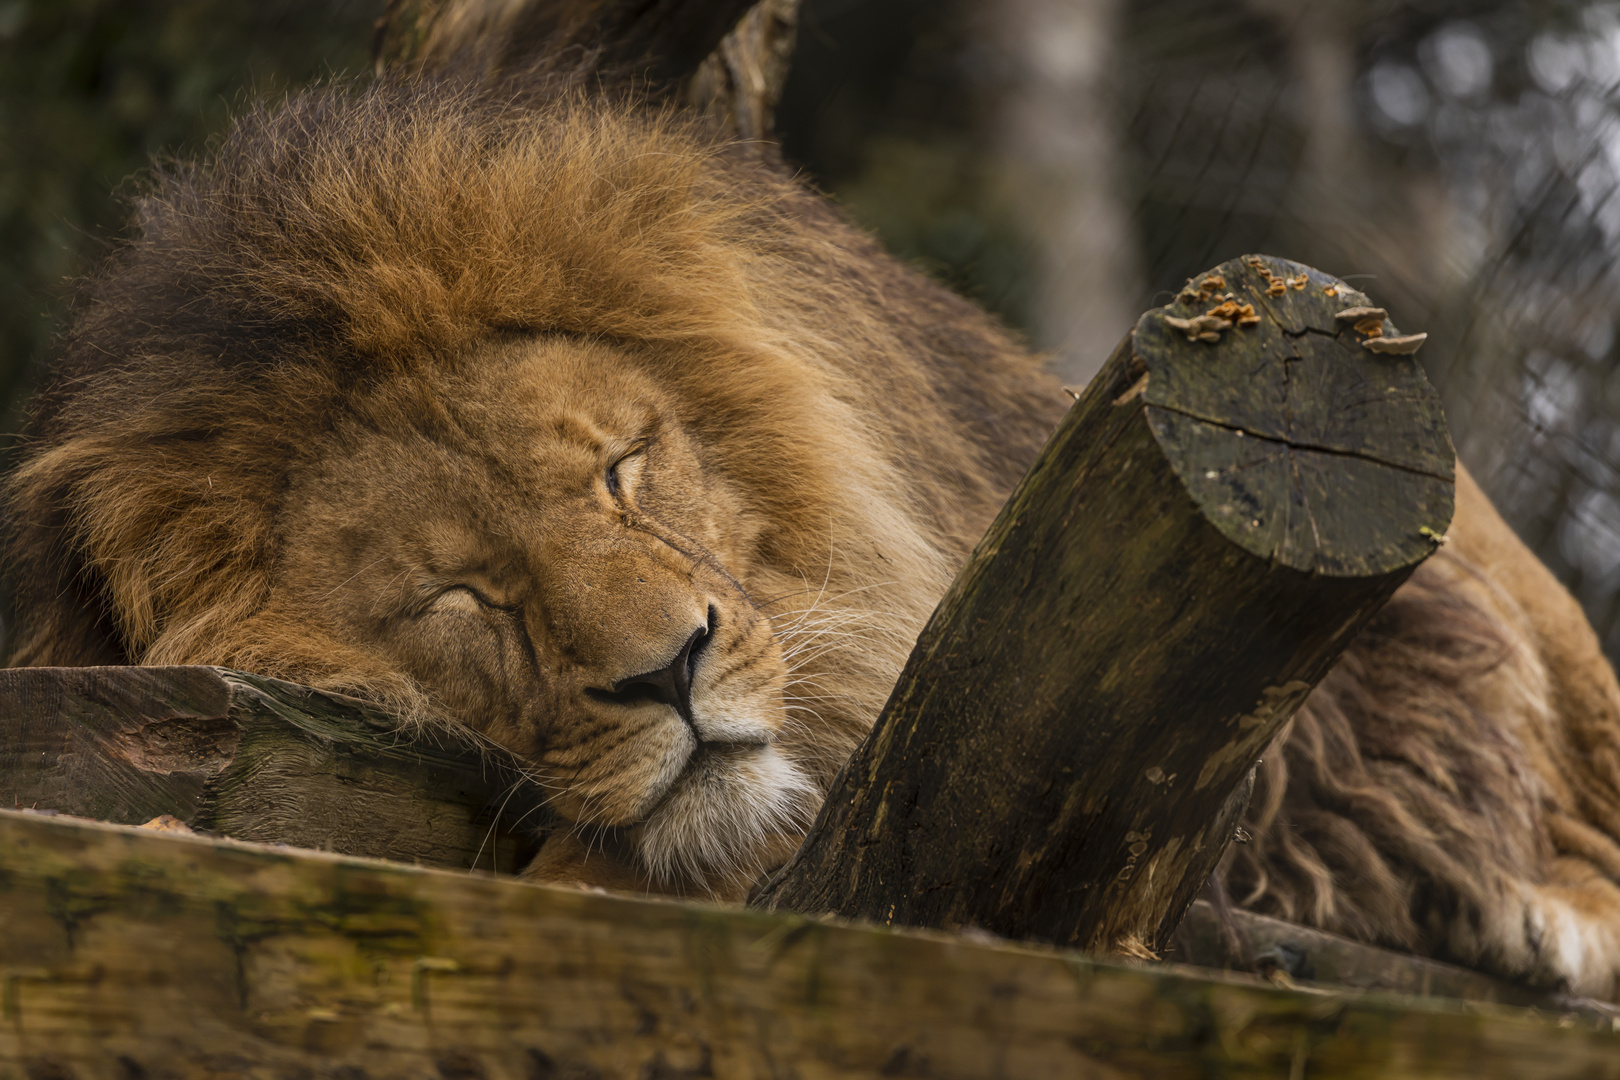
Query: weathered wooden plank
[(1275, 948), (1238, 490), (165, 731), (128, 953), (116, 744), (259, 759), (133, 743)]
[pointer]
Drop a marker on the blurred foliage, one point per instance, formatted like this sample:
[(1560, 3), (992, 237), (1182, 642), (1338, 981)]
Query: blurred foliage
[(1474, 189), (883, 107), (91, 90), (890, 105)]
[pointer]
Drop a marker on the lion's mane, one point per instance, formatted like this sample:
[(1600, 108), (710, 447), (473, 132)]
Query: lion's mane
[(1453, 786), (352, 235)]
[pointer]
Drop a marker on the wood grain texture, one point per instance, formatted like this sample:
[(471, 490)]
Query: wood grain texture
[(1199, 540), (128, 953), (1275, 948), (259, 759), (739, 85)]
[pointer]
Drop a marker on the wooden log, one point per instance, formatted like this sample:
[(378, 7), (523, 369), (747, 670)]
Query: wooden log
[(130, 744), (129, 953), (653, 47), (259, 759), (739, 85), (1291, 953), (1211, 524)]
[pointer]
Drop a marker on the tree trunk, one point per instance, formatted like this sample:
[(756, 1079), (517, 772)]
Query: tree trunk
[(254, 758), (717, 56), (1203, 535), (740, 83), (1054, 154)]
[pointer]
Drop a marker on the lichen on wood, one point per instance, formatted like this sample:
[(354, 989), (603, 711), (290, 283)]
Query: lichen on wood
[(727, 59)]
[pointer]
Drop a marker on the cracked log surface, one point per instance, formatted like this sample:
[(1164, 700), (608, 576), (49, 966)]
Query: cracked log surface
[(1061, 759), (129, 953), (259, 759)]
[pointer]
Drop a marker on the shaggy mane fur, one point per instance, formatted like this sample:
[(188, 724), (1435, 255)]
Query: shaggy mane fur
[(350, 236)]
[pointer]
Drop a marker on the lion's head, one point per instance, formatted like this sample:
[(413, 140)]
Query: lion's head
[(564, 423), (538, 545)]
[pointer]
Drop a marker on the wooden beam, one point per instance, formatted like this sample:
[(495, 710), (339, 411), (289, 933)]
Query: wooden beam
[(1290, 953), (1224, 507), (259, 759), (129, 953)]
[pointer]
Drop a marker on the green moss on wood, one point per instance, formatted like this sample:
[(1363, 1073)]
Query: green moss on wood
[(186, 957)]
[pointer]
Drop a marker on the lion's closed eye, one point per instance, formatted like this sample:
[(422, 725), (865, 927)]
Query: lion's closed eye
[(624, 470), (465, 600)]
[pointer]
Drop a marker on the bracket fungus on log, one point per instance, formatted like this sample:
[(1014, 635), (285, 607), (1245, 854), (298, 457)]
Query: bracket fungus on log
[(1218, 515)]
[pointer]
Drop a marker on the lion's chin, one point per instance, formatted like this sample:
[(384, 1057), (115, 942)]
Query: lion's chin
[(727, 817)]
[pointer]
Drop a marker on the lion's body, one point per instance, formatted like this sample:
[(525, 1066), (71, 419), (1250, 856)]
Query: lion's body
[(1453, 786), (610, 441)]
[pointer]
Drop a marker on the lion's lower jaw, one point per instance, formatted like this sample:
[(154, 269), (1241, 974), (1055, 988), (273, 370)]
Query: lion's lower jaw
[(728, 818)]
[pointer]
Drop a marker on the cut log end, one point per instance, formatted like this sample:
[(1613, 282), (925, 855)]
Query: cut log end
[(1296, 441), (1063, 756)]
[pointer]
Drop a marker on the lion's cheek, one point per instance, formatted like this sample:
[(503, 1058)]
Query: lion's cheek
[(611, 775), (742, 701)]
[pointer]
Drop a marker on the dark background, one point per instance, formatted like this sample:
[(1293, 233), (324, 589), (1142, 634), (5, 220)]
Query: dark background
[(1066, 162)]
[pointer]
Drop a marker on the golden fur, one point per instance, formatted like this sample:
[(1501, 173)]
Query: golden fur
[(495, 409)]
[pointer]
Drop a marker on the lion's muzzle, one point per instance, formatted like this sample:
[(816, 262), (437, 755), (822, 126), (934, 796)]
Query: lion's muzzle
[(670, 685)]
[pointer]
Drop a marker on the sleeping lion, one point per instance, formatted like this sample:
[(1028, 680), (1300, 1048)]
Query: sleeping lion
[(600, 435)]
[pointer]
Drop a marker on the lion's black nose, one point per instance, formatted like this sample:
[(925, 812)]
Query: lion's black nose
[(672, 684)]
